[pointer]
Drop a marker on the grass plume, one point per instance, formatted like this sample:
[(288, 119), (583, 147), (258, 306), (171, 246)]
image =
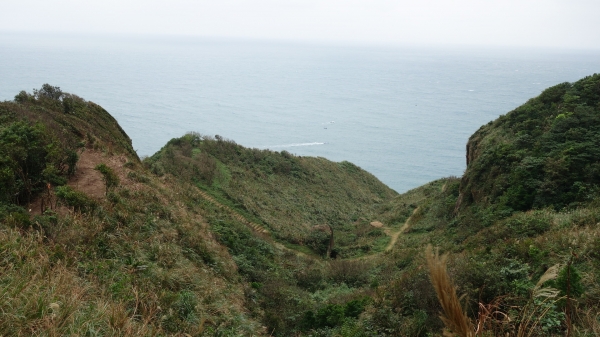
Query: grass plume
[(453, 316)]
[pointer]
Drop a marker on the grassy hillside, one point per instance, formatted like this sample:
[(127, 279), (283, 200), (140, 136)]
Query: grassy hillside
[(135, 259), (40, 136), (208, 238), (528, 201), (295, 198), (105, 247)]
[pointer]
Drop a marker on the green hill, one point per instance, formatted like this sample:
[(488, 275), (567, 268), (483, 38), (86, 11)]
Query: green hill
[(545, 153), (528, 200), (208, 238), (295, 198)]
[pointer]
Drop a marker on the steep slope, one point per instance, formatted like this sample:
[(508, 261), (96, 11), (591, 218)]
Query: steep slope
[(545, 153), (297, 199), (41, 134), (92, 244), (527, 201)]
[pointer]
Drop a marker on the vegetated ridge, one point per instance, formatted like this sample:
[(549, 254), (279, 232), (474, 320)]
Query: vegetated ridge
[(299, 200), (207, 237)]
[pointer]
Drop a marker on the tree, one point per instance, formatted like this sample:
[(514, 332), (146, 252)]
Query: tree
[(48, 91)]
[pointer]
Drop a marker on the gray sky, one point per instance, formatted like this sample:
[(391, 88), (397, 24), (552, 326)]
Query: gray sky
[(545, 23)]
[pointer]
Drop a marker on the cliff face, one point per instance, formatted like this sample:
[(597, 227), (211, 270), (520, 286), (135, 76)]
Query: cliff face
[(544, 153)]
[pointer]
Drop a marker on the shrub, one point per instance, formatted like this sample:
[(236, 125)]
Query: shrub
[(72, 104), (333, 315), (75, 199), (30, 157), (354, 273), (48, 91), (140, 178), (72, 158), (108, 175), (318, 241), (569, 281), (13, 215), (529, 224), (23, 97)]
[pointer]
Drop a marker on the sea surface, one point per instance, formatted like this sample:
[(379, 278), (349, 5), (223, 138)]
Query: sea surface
[(402, 113)]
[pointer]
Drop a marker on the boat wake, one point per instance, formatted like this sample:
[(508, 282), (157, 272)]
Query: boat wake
[(295, 145)]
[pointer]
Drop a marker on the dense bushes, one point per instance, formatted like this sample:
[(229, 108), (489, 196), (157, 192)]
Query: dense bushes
[(40, 135), (333, 315), (78, 200), (544, 153), (71, 120), (30, 158), (108, 175)]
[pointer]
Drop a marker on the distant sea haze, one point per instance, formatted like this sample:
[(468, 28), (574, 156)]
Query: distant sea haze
[(401, 113)]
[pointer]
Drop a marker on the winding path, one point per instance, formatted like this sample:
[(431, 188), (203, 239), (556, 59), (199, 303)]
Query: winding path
[(395, 235)]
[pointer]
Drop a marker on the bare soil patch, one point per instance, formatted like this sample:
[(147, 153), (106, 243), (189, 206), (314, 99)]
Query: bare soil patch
[(86, 179), (376, 224)]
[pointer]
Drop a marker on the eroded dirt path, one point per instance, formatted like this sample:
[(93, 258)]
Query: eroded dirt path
[(86, 179), (395, 235), (392, 234)]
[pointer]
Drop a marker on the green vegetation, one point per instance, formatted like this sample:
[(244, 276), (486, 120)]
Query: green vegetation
[(40, 138), (295, 198), (30, 159), (108, 175), (499, 240), (208, 238), (78, 200), (543, 154)]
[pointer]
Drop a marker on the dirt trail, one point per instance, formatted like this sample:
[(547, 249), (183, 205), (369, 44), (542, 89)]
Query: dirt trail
[(395, 235), (86, 179)]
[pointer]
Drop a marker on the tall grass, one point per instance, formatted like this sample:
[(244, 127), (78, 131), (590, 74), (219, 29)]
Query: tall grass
[(454, 317), (491, 321)]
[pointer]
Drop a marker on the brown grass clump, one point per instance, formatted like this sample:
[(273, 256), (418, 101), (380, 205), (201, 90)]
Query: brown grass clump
[(453, 316), (492, 321)]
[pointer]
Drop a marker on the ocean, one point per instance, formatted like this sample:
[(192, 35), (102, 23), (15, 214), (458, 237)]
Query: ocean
[(402, 113)]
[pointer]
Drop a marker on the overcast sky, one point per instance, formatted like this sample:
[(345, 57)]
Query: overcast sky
[(544, 23)]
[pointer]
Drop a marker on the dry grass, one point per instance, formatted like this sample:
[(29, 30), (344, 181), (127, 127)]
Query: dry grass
[(492, 320), (590, 324), (42, 298), (120, 271), (454, 317)]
